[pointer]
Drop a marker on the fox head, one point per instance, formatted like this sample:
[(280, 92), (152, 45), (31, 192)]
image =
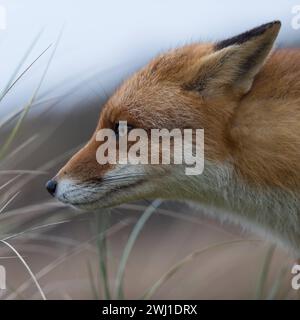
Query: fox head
[(196, 86)]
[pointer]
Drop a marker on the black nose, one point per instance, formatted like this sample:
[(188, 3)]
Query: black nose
[(51, 186)]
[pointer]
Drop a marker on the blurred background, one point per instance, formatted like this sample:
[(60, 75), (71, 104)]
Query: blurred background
[(59, 62)]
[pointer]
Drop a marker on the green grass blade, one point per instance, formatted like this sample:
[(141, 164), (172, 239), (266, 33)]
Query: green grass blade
[(264, 272), (130, 243), (102, 225), (273, 294), (21, 75), (33, 277), (16, 128), (11, 81), (92, 278)]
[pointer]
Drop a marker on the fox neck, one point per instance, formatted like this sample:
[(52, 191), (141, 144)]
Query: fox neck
[(275, 213)]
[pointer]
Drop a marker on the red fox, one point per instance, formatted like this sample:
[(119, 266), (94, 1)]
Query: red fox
[(246, 97)]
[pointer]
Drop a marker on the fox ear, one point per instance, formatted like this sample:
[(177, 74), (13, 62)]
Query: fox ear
[(234, 62)]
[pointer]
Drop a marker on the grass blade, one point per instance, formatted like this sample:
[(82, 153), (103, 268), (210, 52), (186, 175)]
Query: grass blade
[(21, 75), (44, 271), (130, 243), (165, 277), (30, 102), (9, 182), (27, 267), (102, 225), (8, 202), (91, 278), (264, 272), (11, 81), (277, 283)]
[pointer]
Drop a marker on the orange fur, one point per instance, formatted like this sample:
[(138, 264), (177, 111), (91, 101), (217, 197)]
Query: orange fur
[(265, 128), (245, 98), (258, 132)]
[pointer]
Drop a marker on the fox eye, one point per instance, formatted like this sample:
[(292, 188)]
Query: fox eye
[(121, 128)]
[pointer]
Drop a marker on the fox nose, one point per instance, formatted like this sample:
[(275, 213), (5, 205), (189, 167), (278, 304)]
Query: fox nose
[(51, 186)]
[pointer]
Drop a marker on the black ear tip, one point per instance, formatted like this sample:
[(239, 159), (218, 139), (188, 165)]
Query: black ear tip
[(248, 35), (276, 22), (271, 24)]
